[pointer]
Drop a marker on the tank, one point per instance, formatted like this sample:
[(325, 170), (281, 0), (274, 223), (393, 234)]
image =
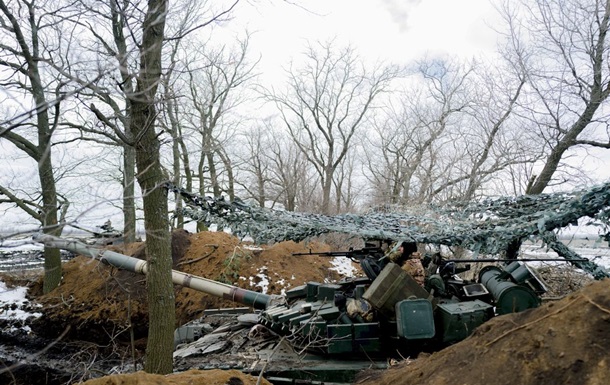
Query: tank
[(327, 332)]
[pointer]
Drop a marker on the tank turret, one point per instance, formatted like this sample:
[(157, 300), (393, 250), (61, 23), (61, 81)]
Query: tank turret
[(367, 318)]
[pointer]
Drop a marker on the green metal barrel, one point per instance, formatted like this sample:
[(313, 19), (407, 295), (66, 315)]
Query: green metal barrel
[(508, 296)]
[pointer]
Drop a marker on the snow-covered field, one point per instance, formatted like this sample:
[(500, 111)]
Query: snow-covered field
[(597, 252)]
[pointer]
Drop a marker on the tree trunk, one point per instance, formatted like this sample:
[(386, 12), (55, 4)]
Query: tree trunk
[(213, 174), (129, 204), (327, 185), (200, 174), (52, 257), (161, 301)]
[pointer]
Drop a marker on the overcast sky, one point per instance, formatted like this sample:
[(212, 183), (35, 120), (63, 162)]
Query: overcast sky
[(397, 31), (392, 30)]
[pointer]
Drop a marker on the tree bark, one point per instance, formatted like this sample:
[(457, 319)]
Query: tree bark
[(161, 301), (26, 54), (52, 257), (129, 204)]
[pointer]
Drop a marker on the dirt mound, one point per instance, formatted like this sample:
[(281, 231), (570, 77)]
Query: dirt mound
[(191, 377), (102, 303), (562, 342)]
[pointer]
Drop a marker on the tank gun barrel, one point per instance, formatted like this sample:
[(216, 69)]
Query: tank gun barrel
[(472, 260), (121, 261)]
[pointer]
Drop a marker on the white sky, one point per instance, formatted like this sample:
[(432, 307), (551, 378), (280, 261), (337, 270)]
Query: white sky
[(392, 30), (397, 31)]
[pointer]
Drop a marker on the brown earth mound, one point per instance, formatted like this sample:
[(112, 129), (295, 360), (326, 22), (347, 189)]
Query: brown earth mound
[(562, 342), (191, 377), (101, 303)]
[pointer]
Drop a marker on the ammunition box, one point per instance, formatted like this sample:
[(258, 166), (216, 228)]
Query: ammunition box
[(297, 292), (339, 346), (297, 320), (331, 313), (476, 291), (415, 319), (287, 316), (355, 331), (366, 330), (312, 291), (456, 321), (360, 289), (391, 286), (339, 331), (315, 328), (327, 292)]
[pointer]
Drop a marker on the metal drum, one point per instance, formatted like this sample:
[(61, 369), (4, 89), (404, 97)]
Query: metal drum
[(508, 296)]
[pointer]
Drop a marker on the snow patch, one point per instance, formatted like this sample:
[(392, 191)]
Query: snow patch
[(13, 303), (343, 266)]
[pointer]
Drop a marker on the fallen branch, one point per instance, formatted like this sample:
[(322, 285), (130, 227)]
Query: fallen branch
[(275, 349), (600, 307), (200, 258)]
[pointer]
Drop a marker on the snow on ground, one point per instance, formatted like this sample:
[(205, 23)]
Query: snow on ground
[(261, 279), (593, 251), (21, 244), (17, 254), (20, 254), (12, 303), (343, 266)]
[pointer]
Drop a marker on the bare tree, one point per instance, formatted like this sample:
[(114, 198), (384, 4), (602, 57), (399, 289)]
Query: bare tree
[(273, 170), (346, 186), (325, 105), (171, 121), (115, 31), (31, 39), (255, 166), (492, 138), (183, 34), (564, 45), (451, 133), (416, 131), (133, 127), (113, 26), (151, 177), (292, 180), (215, 78)]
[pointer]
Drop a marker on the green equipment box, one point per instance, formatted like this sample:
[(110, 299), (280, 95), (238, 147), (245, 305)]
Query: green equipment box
[(391, 286), (456, 321), (415, 319)]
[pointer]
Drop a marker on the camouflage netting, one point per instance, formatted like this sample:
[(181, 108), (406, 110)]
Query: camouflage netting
[(488, 226)]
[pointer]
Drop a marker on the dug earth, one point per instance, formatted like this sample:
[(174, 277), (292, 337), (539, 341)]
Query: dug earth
[(96, 322)]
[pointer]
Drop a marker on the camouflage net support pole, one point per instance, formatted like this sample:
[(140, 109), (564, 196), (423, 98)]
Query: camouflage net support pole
[(597, 271)]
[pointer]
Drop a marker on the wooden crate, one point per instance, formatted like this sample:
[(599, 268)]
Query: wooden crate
[(391, 286)]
